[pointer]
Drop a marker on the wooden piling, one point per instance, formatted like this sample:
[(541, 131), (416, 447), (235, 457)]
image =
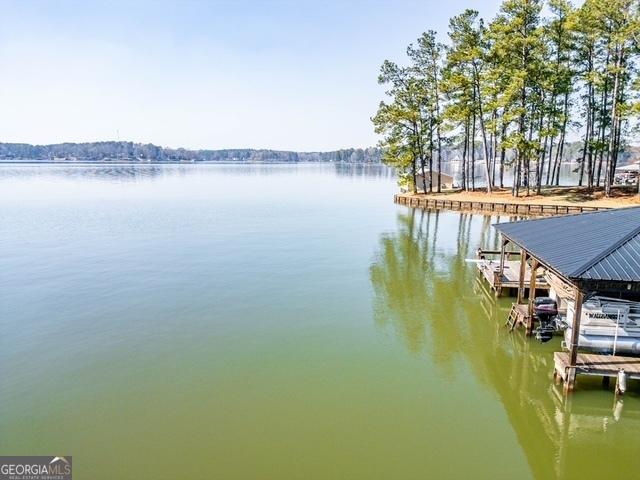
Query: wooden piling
[(523, 268), (570, 380), (532, 295)]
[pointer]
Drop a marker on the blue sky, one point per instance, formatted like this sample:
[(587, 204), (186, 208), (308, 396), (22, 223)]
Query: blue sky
[(289, 75)]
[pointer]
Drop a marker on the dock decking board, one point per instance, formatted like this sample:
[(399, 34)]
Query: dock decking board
[(598, 365), (510, 275)]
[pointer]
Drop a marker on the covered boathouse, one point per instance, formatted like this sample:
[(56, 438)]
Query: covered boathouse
[(583, 255)]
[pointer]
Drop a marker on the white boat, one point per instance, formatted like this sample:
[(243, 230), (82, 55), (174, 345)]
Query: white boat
[(627, 175), (607, 325)]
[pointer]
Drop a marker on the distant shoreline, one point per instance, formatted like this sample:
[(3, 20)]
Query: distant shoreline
[(133, 152), (82, 163)]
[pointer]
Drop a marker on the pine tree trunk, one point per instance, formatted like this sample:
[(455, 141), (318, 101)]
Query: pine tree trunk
[(586, 140), (563, 132), (503, 152), (549, 162), (614, 122), (464, 155), (414, 175), (543, 151), (439, 160), (560, 153), (483, 131), (494, 146), (473, 152), (431, 155), (438, 119), (603, 118)]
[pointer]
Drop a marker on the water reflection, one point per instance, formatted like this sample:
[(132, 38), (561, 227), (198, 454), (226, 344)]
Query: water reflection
[(124, 173), (142, 172), (434, 302), (364, 170)]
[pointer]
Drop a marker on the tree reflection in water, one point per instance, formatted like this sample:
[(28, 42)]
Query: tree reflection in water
[(433, 300)]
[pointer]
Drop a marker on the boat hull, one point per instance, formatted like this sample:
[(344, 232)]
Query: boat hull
[(624, 344)]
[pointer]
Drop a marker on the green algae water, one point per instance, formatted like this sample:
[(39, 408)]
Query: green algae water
[(273, 322)]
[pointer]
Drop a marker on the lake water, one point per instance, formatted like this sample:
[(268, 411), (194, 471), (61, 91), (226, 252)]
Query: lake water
[(273, 322)]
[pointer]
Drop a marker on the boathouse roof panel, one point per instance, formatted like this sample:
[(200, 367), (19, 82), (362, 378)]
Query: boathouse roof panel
[(603, 245)]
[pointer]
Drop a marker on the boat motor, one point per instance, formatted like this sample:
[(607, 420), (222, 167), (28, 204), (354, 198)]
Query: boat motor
[(545, 310)]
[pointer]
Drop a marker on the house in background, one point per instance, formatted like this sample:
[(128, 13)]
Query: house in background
[(628, 174), (446, 182)]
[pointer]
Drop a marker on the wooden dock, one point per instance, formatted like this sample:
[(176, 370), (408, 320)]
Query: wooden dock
[(596, 365), (536, 209), (510, 278)]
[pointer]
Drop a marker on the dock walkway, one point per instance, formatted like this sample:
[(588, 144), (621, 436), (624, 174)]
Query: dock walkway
[(510, 277), (492, 206), (596, 365)]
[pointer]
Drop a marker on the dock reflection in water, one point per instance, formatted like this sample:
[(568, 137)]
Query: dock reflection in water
[(427, 294)]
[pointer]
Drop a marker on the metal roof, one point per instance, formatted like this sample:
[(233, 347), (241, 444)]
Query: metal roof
[(602, 245)]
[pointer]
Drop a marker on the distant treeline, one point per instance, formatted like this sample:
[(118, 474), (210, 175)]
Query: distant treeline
[(130, 151), (139, 152)]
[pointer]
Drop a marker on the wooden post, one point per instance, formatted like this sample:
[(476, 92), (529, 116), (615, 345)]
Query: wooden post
[(532, 295), (569, 384), (500, 273), (523, 265), (621, 382)]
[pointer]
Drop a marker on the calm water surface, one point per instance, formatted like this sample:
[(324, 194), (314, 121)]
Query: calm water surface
[(273, 322)]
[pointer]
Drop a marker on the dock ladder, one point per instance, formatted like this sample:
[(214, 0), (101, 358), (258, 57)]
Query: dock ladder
[(512, 320)]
